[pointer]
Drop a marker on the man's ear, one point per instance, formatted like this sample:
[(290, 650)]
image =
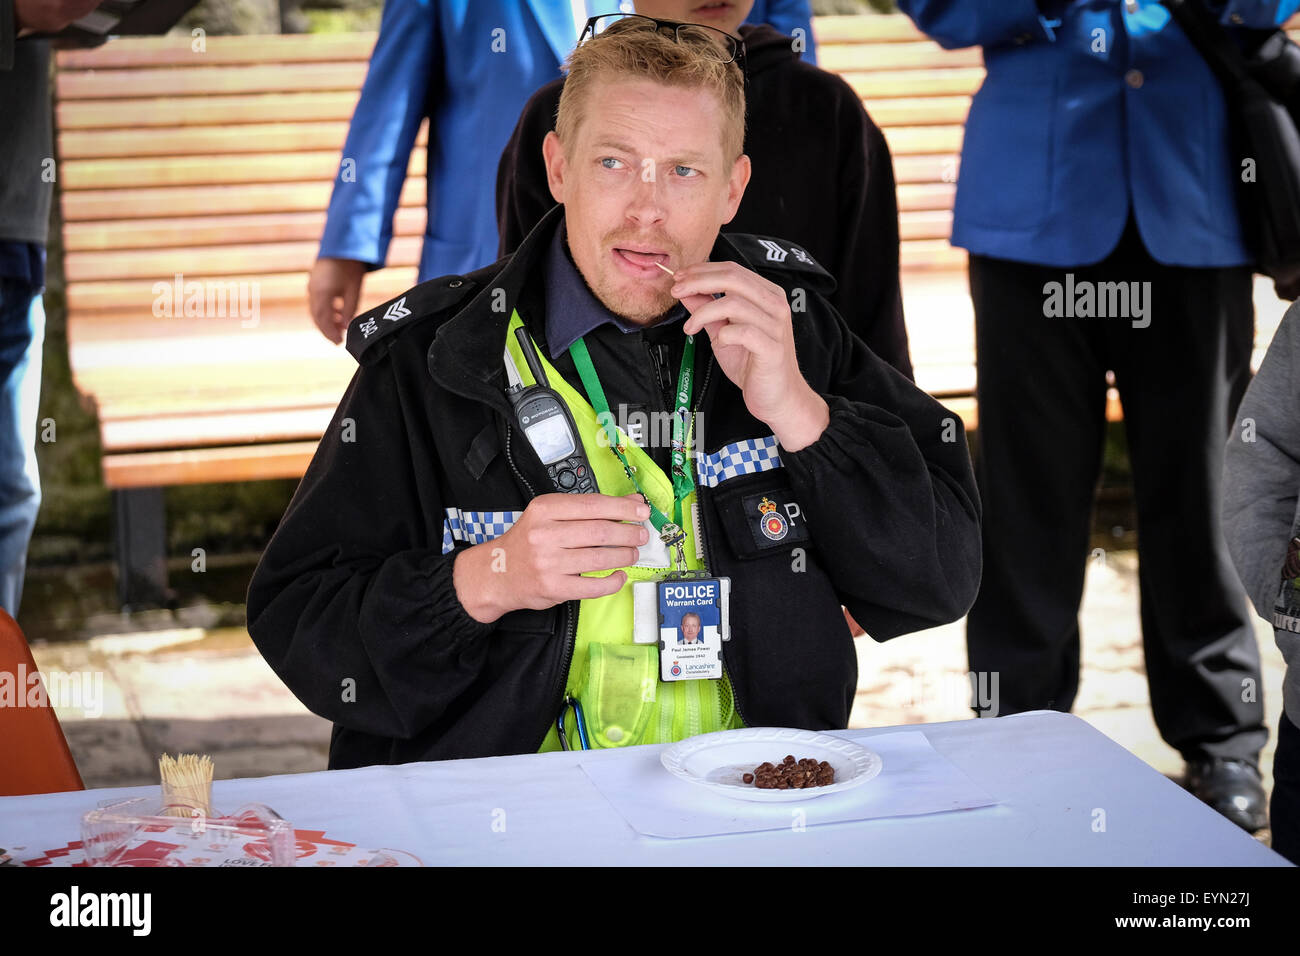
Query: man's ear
[(553, 155), (736, 183)]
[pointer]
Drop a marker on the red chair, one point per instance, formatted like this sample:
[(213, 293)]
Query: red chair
[(34, 755)]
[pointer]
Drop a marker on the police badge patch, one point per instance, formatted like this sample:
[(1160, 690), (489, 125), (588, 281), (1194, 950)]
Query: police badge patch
[(774, 519), (770, 522)]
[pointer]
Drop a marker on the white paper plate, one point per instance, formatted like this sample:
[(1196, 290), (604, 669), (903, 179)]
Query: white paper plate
[(717, 760)]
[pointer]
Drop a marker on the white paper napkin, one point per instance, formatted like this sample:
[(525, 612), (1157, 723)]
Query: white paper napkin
[(915, 780)]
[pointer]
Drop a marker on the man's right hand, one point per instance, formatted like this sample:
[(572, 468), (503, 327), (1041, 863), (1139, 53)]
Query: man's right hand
[(332, 294), (538, 563)]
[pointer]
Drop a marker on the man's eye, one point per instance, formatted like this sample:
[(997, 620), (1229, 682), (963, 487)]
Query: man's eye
[(686, 172), (609, 162)]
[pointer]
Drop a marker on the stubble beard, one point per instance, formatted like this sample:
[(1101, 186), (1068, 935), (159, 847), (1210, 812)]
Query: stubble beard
[(639, 308)]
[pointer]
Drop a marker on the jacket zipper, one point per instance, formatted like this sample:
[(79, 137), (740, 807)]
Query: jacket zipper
[(708, 553), (514, 467), (570, 618)]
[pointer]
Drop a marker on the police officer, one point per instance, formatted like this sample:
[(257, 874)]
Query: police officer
[(435, 591)]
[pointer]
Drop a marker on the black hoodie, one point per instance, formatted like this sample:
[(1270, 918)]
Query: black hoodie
[(822, 178)]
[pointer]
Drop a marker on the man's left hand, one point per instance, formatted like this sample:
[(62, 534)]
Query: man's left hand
[(752, 335)]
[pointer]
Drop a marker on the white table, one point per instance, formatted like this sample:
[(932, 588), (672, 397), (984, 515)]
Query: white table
[(1048, 772)]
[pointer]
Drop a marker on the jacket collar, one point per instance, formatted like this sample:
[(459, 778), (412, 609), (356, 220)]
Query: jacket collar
[(557, 25)]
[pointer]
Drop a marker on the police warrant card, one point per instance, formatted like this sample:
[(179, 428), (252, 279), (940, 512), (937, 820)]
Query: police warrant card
[(692, 624)]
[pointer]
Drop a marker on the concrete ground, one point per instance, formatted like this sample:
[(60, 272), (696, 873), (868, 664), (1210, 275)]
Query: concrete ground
[(209, 691)]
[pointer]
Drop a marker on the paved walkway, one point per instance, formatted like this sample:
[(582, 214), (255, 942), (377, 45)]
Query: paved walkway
[(209, 691)]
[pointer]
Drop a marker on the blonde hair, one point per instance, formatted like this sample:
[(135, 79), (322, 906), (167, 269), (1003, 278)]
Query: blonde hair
[(628, 49)]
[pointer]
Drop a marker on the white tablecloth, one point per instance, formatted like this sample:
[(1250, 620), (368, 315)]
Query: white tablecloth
[(1067, 795)]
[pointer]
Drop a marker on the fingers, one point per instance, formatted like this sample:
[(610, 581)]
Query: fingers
[(351, 292), (321, 303), (598, 533), (736, 310), (587, 588), (729, 278), (751, 338), (694, 302), (557, 507), (587, 560), (333, 290), (721, 292)]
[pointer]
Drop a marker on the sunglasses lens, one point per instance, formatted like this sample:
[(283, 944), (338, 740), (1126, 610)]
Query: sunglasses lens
[(723, 43)]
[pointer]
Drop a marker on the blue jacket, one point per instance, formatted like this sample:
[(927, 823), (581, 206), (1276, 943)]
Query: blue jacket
[(471, 67), (1088, 113), (442, 58), (786, 16)]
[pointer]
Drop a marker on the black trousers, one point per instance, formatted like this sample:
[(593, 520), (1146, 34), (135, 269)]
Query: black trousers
[(1042, 395), (1284, 811)]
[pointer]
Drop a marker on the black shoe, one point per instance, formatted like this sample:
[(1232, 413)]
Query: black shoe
[(1232, 787)]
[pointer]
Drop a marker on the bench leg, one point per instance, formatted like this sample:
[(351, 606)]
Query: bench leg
[(141, 540)]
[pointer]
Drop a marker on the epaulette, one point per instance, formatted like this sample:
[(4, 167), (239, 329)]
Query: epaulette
[(370, 334), (769, 254)]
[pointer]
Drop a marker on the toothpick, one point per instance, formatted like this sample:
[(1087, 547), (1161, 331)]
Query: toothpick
[(666, 269)]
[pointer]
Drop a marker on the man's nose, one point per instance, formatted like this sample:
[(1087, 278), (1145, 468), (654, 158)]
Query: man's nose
[(647, 204)]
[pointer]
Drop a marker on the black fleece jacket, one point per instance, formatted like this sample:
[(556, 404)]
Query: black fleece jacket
[(353, 604), (822, 178)]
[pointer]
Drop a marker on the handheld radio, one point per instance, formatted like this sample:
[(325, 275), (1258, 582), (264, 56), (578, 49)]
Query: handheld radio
[(547, 424)]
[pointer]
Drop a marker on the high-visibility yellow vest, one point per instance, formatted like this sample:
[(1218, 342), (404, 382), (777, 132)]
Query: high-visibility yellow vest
[(617, 681)]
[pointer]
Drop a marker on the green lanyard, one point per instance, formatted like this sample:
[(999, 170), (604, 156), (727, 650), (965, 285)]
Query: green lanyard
[(670, 532)]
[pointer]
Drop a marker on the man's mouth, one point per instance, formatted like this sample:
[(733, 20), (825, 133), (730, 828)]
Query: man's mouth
[(641, 261)]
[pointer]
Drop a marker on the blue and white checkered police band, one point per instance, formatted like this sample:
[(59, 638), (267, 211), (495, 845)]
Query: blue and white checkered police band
[(747, 457), (475, 527)]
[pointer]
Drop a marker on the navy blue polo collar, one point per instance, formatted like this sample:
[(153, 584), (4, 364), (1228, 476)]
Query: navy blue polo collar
[(572, 310)]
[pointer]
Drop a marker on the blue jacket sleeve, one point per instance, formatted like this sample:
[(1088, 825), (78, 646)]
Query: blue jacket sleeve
[(788, 16), (359, 224), (959, 23)]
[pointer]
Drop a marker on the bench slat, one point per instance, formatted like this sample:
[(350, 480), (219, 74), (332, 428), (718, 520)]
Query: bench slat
[(211, 141), (900, 57), (926, 140), (836, 30), (167, 50), (941, 82), (110, 235), (208, 111), (925, 224), (91, 298), (202, 80), (240, 261), (913, 197), (197, 430), (200, 171), (153, 202), (245, 463), (919, 111)]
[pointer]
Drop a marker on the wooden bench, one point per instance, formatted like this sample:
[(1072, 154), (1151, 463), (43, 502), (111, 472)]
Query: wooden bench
[(217, 167)]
